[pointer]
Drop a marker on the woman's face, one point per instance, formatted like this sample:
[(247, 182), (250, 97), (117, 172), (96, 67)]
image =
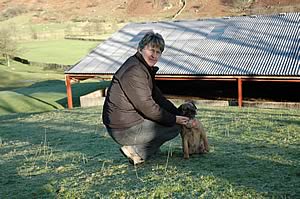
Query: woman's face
[(150, 54)]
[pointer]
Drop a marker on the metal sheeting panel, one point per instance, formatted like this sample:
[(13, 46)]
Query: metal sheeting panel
[(262, 45)]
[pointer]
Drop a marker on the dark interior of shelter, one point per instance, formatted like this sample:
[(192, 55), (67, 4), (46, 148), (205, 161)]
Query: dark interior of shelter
[(228, 90)]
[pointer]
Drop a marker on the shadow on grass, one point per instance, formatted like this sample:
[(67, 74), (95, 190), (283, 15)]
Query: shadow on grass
[(3, 62), (68, 153), (43, 86), (83, 89), (264, 168), (36, 148), (48, 95)]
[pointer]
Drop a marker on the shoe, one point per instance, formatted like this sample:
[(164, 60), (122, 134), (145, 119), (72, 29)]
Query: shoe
[(133, 157)]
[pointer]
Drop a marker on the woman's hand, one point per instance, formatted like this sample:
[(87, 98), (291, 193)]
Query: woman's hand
[(182, 120)]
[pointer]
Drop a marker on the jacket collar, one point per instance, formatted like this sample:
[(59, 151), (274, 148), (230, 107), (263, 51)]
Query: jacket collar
[(153, 70)]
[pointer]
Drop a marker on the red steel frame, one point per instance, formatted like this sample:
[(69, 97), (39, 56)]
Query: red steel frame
[(239, 79)]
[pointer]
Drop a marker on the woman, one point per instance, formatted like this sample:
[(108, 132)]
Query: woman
[(135, 113)]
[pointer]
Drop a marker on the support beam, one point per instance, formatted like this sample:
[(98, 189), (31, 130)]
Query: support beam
[(240, 92), (69, 91)]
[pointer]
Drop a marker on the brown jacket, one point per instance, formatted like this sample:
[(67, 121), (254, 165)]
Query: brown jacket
[(133, 96)]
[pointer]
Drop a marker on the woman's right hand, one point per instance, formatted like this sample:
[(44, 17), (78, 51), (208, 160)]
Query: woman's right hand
[(182, 120)]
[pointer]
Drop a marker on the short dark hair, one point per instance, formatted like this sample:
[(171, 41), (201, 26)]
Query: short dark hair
[(154, 39)]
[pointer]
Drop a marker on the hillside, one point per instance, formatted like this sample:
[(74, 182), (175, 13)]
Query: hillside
[(136, 10), (98, 19)]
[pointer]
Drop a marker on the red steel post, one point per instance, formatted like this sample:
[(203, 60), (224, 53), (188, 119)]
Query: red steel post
[(240, 92), (69, 91)]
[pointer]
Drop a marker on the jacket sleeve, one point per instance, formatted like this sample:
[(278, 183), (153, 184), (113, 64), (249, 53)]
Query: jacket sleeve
[(136, 85), (164, 102)]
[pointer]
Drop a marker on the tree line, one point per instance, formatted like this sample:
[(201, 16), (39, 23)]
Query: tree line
[(8, 45)]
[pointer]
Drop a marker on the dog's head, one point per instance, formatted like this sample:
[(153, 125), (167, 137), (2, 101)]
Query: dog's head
[(188, 109)]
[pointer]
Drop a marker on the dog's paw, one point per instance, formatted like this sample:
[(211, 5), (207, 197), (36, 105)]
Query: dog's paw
[(205, 151)]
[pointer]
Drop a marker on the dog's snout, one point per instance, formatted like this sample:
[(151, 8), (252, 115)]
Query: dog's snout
[(188, 109)]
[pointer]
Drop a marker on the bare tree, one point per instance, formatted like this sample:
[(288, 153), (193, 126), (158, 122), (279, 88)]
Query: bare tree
[(8, 46)]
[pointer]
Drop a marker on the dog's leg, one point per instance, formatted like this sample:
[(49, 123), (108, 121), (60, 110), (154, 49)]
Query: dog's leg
[(205, 142), (186, 153), (185, 145)]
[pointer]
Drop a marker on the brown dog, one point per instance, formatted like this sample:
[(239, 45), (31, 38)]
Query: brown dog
[(194, 138)]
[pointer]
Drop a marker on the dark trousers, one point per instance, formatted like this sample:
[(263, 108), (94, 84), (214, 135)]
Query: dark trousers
[(146, 138)]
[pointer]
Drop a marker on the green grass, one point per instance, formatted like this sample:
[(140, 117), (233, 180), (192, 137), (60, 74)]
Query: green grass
[(22, 75), (44, 96), (68, 154), (56, 51), (19, 91), (25, 88), (50, 45)]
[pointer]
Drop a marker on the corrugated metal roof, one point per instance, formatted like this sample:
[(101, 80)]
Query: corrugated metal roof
[(249, 45)]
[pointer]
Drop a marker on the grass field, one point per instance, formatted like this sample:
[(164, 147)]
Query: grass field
[(56, 51), (22, 75), (27, 88), (255, 153), (44, 96)]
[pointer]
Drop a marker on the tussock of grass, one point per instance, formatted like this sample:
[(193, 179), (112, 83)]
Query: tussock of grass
[(68, 154)]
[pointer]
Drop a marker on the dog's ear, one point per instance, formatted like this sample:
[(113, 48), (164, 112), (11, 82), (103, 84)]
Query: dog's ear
[(193, 102), (180, 109)]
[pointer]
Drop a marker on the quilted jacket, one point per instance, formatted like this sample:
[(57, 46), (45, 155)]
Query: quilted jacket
[(133, 96)]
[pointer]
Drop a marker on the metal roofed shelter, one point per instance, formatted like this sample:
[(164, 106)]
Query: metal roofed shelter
[(247, 48)]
